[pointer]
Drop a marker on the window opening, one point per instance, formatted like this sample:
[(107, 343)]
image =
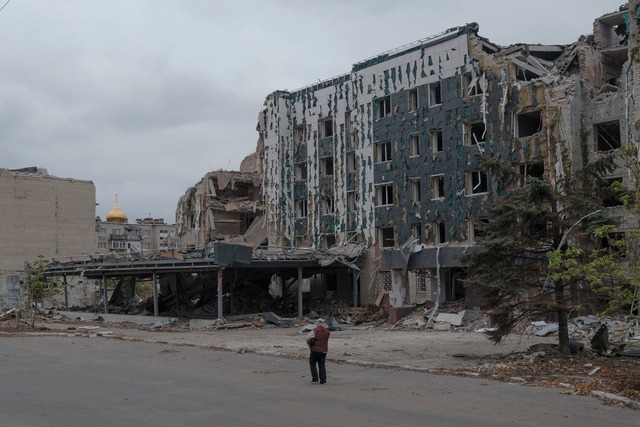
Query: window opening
[(387, 237), (441, 233), (478, 182), (529, 123), (384, 107), (435, 94), (382, 152), (414, 145), (437, 142), (327, 128), (608, 136), (437, 187), (415, 189), (477, 133), (385, 195), (413, 100)]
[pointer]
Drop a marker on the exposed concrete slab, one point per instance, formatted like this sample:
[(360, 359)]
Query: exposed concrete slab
[(118, 318)]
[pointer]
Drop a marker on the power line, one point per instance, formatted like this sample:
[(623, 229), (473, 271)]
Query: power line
[(4, 5)]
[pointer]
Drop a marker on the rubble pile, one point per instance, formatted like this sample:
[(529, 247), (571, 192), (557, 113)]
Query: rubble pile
[(450, 315)]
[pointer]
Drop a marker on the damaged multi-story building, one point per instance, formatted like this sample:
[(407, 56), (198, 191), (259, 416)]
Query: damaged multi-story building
[(385, 154), (42, 215)]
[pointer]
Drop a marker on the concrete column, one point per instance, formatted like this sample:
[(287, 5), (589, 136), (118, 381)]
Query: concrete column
[(220, 317), (66, 293), (104, 294), (300, 292), (354, 282), (155, 293)]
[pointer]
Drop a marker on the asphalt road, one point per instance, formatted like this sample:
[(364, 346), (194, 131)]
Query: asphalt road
[(77, 381)]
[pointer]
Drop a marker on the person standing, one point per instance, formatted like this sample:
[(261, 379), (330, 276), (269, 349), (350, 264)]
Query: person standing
[(318, 341)]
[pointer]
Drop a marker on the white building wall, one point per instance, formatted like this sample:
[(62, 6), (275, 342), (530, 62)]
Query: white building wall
[(355, 93)]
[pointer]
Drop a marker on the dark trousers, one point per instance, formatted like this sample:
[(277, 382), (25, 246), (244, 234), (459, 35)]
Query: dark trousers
[(317, 357)]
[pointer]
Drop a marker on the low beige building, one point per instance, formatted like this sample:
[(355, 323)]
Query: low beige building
[(41, 215)]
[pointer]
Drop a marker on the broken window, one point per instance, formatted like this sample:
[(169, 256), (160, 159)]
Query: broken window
[(301, 171), (298, 135), (351, 211), (437, 143), (413, 100), (382, 152), (441, 233), (477, 227), (608, 136), (435, 94), (415, 189), (477, 182), (351, 161), (471, 84), (387, 237), (326, 128), (384, 107), (530, 170), (302, 208), (328, 206), (384, 194), (416, 231), (414, 145), (326, 166), (437, 187), (13, 286), (615, 244), (477, 133), (328, 241), (613, 192), (351, 201), (528, 124)]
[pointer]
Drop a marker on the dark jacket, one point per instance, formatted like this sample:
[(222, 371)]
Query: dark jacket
[(320, 337)]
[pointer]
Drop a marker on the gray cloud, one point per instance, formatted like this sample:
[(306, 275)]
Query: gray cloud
[(145, 97)]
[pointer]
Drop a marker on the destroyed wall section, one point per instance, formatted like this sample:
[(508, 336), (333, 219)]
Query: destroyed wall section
[(613, 98), (223, 205)]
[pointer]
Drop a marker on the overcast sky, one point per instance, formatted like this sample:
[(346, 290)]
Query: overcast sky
[(143, 97)]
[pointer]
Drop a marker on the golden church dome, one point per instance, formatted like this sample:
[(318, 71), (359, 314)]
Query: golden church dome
[(116, 214)]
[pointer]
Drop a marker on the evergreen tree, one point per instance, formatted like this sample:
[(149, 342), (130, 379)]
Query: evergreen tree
[(518, 271)]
